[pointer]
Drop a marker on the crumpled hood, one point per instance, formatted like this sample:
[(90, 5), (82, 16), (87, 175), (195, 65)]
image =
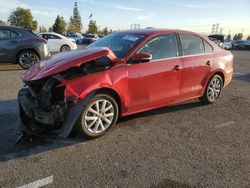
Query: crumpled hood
[(63, 61)]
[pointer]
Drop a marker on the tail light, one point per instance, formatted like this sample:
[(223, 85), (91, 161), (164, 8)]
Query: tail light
[(42, 40)]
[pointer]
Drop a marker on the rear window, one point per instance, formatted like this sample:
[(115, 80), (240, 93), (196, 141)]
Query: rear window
[(191, 44)]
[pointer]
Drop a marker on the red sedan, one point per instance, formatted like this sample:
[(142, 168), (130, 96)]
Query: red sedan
[(121, 74)]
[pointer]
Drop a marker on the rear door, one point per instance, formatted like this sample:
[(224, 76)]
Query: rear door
[(155, 83), (197, 60), (54, 42), (9, 42)]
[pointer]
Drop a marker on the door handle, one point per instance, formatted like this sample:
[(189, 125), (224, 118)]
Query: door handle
[(208, 63), (177, 68)]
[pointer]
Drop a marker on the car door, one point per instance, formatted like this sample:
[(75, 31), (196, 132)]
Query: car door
[(196, 64), (54, 42), (8, 44), (155, 83)]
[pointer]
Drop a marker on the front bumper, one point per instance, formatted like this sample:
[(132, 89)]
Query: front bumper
[(32, 119)]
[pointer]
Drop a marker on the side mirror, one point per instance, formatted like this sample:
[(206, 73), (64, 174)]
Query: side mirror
[(142, 58)]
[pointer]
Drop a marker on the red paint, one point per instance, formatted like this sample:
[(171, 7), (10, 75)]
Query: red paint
[(141, 86)]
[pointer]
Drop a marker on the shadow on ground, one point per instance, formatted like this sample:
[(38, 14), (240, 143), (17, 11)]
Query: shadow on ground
[(9, 131)]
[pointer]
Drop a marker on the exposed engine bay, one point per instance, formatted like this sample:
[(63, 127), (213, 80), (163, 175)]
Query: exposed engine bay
[(43, 105)]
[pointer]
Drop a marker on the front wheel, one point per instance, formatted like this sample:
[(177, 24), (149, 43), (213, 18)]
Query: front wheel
[(213, 90), (99, 116)]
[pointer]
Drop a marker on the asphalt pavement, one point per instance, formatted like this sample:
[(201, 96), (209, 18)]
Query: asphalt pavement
[(186, 145)]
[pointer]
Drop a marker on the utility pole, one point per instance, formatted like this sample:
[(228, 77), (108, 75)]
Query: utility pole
[(217, 28), (213, 29), (221, 30)]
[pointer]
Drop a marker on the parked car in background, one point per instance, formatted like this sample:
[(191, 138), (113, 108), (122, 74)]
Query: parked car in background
[(121, 74), (101, 36), (228, 44), (85, 41), (93, 37), (218, 42), (58, 43), (22, 46), (75, 36), (241, 45)]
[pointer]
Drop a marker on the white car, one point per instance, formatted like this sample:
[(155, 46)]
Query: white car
[(58, 43)]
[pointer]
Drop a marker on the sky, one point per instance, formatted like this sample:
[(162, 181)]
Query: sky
[(194, 15)]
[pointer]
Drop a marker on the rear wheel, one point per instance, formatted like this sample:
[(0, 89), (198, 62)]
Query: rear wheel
[(27, 58), (213, 90), (65, 48), (99, 116)]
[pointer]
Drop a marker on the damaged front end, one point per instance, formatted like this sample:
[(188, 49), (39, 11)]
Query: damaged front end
[(43, 105)]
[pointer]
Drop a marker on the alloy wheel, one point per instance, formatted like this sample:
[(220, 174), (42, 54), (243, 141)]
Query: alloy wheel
[(214, 89), (65, 48), (99, 116), (28, 59)]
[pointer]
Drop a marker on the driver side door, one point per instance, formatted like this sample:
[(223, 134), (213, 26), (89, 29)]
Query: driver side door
[(156, 83)]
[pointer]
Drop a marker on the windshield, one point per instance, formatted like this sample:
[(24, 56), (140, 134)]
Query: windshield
[(119, 43)]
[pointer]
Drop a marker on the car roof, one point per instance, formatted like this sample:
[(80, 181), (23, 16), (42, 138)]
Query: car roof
[(14, 28), (52, 33)]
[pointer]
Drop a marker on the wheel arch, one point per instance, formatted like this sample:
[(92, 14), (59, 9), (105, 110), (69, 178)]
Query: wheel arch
[(27, 49), (217, 72), (220, 73)]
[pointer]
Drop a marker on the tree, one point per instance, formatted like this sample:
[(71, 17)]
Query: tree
[(248, 38), (50, 29), (92, 27), (229, 37), (2, 22), (75, 24), (59, 25), (23, 18), (35, 25), (238, 36), (105, 31), (42, 29)]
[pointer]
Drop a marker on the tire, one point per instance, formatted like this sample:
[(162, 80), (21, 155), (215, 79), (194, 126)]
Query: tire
[(64, 48), (213, 90), (92, 123), (27, 58)]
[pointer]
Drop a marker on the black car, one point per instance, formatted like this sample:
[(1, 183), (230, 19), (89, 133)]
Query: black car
[(22, 46), (241, 45), (85, 41)]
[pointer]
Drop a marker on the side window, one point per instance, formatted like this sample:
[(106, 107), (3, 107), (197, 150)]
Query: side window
[(4, 34), (208, 47), (54, 37), (161, 47), (191, 44)]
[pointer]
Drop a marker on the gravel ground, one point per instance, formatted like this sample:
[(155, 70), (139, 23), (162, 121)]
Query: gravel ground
[(187, 145)]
